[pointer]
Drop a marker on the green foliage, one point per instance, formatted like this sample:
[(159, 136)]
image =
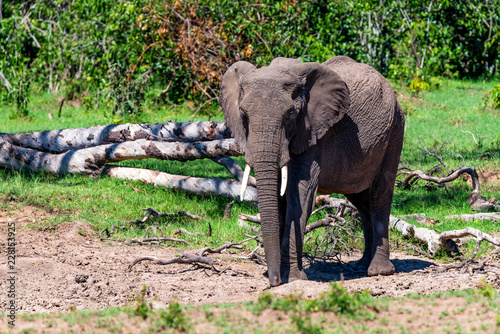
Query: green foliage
[(495, 96), (173, 317), (142, 306), (417, 85), (20, 94), (487, 290), (339, 300), (184, 47), (126, 94)]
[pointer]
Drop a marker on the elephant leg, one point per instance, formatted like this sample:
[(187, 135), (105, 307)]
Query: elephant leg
[(362, 202), (300, 195), (381, 193), (380, 263)]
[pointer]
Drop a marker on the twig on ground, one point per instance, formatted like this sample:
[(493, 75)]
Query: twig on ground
[(142, 241), (187, 258), (146, 241), (227, 210), (184, 231), (208, 250), (250, 218)]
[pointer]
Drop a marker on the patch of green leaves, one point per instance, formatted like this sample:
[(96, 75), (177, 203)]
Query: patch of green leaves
[(142, 306), (172, 317), (417, 85)]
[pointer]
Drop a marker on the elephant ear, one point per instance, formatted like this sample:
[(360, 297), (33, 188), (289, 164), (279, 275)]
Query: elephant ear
[(229, 100), (326, 100)]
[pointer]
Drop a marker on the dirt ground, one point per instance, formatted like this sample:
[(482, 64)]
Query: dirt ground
[(66, 267)]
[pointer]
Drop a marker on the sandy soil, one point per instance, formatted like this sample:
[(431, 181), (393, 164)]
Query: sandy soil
[(66, 267)]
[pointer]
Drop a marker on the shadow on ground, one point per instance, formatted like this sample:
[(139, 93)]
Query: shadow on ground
[(331, 269)]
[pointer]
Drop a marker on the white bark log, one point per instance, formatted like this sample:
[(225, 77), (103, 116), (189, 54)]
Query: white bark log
[(430, 237), (59, 141), (90, 160), (193, 185), (485, 216), (435, 240)]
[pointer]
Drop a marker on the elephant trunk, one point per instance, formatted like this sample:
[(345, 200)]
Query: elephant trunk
[(266, 163), (266, 176)]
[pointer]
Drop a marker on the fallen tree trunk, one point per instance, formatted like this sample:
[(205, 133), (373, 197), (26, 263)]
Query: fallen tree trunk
[(193, 185), (92, 159), (485, 216), (58, 141), (435, 240)]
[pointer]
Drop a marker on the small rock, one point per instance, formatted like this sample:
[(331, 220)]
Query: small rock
[(81, 278)]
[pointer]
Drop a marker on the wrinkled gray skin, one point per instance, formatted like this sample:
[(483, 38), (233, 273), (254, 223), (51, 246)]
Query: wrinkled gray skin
[(339, 129)]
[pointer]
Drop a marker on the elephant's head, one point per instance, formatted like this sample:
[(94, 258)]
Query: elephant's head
[(273, 112)]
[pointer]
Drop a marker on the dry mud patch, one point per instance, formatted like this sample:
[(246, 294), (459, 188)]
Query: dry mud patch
[(65, 267)]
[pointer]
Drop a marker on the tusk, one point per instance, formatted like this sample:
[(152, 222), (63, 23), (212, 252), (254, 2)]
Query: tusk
[(284, 179), (244, 182)]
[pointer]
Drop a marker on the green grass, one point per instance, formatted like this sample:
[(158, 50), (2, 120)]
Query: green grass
[(432, 118)]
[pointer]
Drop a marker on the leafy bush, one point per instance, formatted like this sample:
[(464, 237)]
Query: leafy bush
[(417, 85), (142, 306), (173, 317), (495, 96), (20, 94), (491, 99)]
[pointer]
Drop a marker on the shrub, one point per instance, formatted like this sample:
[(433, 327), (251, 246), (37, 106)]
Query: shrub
[(417, 85)]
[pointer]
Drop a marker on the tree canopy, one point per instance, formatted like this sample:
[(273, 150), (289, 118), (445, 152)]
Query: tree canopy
[(97, 49)]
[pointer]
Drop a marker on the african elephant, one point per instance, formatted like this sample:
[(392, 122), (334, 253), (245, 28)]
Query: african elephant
[(334, 127)]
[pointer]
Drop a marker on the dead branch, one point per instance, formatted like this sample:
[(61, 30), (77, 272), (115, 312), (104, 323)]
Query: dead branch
[(148, 241), (477, 201), (235, 169), (193, 185), (184, 231), (254, 255), (186, 258), (435, 241), (412, 173), (152, 212), (227, 210), (330, 220), (60, 107), (250, 218), (208, 250), (59, 141)]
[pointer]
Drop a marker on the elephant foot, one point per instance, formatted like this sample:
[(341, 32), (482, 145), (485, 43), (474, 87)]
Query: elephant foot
[(363, 263), (274, 278), (293, 274), (381, 265)]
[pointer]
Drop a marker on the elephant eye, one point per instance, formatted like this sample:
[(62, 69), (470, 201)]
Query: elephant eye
[(290, 113)]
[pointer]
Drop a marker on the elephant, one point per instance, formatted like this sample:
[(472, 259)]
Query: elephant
[(308, 128)]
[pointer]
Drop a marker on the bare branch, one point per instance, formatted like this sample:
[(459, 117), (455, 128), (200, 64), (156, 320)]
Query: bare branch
[(144, 241), (235, 169), (250, 218), (411, 173), (186, 258)]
